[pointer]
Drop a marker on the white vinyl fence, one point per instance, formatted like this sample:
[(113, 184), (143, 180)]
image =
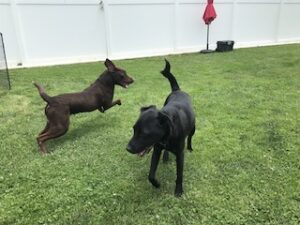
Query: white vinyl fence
[(45, 32)]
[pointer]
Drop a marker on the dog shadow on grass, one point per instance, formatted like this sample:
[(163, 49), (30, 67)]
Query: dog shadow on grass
[(165, 174), (83, 129)]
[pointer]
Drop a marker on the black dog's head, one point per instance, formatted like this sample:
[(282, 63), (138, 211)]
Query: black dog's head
[(119, 76), (153, 126)]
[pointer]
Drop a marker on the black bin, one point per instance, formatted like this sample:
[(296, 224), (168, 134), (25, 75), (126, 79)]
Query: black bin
[(224, 46)]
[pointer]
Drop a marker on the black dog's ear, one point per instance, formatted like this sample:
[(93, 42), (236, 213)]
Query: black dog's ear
[(165, 120), (163, 117), (147, 107), (109, 65)]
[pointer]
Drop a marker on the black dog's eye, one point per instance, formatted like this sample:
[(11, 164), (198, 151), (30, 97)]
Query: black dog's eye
[(146, 132)]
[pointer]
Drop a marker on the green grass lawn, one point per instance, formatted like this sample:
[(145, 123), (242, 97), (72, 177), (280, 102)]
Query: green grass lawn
[(245, 167)]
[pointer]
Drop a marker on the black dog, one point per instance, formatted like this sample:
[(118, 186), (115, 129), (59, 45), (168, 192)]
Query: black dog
[(98, 96), (165, 129)]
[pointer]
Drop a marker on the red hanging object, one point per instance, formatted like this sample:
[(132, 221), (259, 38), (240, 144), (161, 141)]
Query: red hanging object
[(209, 14)]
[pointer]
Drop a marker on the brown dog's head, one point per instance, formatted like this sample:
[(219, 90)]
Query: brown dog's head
[(119, 76)]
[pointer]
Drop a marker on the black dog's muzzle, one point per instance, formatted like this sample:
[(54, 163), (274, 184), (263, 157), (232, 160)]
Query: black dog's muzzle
[(129, 148)]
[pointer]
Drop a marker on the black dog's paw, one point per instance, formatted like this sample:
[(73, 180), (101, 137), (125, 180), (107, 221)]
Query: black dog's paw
[(178, 193), (178, 190), (154, 182), (190, 148)]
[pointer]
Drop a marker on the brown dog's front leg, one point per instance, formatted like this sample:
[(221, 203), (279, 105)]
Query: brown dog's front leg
[(104, 108)]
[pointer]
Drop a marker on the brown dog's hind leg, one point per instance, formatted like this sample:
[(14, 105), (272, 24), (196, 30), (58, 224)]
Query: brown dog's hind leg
[(41, 146), (45, 129), (53, 132), (57, 125), (47, 125)]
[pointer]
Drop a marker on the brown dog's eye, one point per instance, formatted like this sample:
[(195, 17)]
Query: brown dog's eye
[(122, 75)]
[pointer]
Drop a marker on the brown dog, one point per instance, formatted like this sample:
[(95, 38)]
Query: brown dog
[(98, 95)]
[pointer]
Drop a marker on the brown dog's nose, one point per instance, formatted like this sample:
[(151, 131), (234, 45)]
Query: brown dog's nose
[(131, 80)]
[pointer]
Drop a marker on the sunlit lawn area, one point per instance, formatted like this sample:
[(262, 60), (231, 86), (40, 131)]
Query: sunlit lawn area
[(245, 167)]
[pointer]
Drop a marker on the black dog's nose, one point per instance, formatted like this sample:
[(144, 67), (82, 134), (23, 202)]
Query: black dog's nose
[(129, 148)]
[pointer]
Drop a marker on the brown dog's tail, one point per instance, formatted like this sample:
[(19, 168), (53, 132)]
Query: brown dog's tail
[(167, 73), (42, 92)]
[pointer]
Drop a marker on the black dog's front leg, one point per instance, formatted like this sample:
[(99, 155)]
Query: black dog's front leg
[(154, 163), (104, 108), (179, 170)]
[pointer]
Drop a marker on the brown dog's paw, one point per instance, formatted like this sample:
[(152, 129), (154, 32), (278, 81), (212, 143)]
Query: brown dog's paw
[(119, 102), (43, 150)]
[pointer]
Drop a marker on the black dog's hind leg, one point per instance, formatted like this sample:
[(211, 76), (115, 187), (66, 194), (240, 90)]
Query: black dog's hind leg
[(179, 171), (165, 156), (154, 163), (189, 140)]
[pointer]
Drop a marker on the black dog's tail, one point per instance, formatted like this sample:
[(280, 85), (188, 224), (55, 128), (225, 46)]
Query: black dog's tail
[(167, 73), (42, 92)]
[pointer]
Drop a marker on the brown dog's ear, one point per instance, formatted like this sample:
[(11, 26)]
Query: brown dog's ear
[(147, 107), (109, 65), (165, 120)]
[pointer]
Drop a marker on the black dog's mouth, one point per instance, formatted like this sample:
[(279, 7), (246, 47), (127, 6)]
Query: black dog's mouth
[(145, 151)]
